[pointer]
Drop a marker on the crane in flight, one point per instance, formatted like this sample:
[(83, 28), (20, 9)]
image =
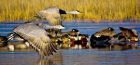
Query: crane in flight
[(36, 34)]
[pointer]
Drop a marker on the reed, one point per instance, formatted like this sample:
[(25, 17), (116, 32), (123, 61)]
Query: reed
[(11, 10)]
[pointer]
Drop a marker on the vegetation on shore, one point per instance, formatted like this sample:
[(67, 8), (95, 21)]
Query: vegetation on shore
[(11, 10)]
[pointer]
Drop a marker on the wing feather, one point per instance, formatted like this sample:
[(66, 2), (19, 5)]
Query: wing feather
[(37, 37)]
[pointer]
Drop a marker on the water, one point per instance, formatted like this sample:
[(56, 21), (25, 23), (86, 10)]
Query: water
[(74, 57)]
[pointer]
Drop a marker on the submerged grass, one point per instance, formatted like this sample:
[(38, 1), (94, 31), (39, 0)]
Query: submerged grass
[(11, 10)]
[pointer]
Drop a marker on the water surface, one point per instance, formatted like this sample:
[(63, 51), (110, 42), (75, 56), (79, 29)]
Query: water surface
[(74, 57)]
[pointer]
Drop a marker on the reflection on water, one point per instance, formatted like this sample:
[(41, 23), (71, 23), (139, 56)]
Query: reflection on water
[(28, 58), (44, 61), (73, 57)]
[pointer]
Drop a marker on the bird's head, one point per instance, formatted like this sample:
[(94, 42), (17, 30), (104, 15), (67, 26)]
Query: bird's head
[(14, 36), (11, 36), (110, 29)]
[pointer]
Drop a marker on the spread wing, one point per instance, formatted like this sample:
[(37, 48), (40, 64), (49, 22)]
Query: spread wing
[(37, 37)]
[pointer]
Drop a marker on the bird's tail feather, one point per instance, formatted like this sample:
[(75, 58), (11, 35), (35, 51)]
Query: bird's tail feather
[(53, 47), (49, 49)]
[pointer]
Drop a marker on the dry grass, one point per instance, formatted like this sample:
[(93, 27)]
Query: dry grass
[(12, 10)]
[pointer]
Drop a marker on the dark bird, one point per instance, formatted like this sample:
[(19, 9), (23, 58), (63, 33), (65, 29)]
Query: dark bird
[(101, 38), (130, 34), (126, 38), (3, 41), (99, 42)]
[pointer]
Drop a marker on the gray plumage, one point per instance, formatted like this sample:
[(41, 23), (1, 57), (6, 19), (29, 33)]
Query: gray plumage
[(37, 38), (53, 16), (35, 32)]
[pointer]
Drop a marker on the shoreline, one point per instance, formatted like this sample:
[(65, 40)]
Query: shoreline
[(80, 20)]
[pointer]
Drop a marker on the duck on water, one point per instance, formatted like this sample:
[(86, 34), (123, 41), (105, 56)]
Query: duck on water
[(126, 39), (118, 40), (101, 38), (3, 41), (35, 33)]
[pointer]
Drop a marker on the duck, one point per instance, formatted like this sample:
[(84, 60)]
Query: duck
[(127, 37), (15, 41), (130, 34), (100, 39), (99, 42), (13, 46), (84, 41), (65, 41), (105, 32), (74, 39), (15, 37), (3, 41)]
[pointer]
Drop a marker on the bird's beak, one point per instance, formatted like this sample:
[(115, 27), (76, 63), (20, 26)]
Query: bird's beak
[(61, 27)]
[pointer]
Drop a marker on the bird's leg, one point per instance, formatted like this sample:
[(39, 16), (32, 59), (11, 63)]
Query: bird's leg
[(41, 56)]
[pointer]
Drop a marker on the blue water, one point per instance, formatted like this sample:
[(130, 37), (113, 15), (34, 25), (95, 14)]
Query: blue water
[(74, 57), (84, 27)]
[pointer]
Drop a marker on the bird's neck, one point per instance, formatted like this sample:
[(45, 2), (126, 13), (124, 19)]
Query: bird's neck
[(72, 12)]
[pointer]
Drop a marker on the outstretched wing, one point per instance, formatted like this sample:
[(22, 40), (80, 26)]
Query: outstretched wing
[(37, 37)]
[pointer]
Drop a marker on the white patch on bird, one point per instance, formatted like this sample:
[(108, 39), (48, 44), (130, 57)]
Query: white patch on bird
[(97, 36), (134, 31), (78, 47), (27, 44), (46, 26), (11, 47), (11, 37)]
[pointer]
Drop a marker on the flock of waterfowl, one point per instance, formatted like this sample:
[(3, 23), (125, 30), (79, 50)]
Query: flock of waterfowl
[(47, 38)]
